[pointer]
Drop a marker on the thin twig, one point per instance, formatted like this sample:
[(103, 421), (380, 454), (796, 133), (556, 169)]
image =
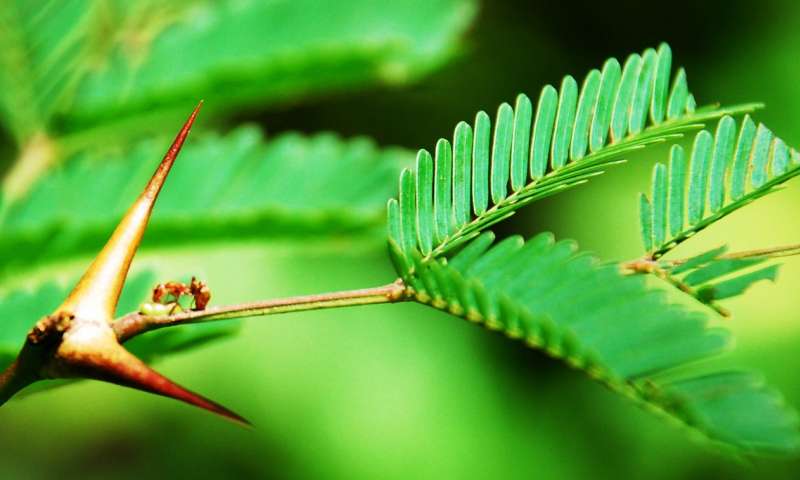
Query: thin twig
[(135, 324)]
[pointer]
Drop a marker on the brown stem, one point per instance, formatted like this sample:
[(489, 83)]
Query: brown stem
[(135, 324)]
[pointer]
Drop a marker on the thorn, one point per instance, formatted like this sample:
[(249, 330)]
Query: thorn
[(114, 364), (77, 341), (97, 293)]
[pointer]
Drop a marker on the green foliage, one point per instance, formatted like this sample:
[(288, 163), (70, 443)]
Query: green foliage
[(71, 67), (20, 309), (232, 186), (573, 135), (725, 173), (611, 326)]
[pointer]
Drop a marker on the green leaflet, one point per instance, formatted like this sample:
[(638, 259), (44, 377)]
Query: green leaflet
[(624, 101), (698, 260), (480, 163), (235, 186), (611, 326), (586, 104), (501, 153), (572, 136), (606, 98), (723, 155), (567, 103), (718, 269), (20, 310), (408, 193), (677, 185), (726, 173), (658, 106), (60, 69), (659, 204), (462, 170), (679, 96), (519, 154), (738, 285), (741, 159), (646, 219), (644, 90), (425, 208), (698, 176), (543, 127), (761, 156), (442, 191)]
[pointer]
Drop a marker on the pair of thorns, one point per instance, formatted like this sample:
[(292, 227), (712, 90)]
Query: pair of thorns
[(81, 339)]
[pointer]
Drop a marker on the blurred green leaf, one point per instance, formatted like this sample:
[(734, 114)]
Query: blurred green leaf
[(718, 268), (85, 73), (235, 186), (737, 285), (71, 65)]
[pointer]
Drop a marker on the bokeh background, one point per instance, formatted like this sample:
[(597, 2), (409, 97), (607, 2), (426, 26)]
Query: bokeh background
[(397, 391)]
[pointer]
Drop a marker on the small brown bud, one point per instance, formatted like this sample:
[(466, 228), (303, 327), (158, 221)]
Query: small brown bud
[(50, 327)]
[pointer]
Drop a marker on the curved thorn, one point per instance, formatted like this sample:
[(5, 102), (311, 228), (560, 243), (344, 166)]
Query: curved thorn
[(114, 364), (97, 293)]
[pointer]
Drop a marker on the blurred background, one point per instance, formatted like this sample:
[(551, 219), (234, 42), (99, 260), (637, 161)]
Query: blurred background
[(390, 391)]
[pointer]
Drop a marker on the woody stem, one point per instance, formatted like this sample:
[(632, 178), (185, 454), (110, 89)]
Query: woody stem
[(135, 324)]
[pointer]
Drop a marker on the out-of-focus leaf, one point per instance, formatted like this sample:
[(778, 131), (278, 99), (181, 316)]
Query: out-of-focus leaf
[(72, 65), (737, 285), (719, 268), (709, 276), (224, 187)]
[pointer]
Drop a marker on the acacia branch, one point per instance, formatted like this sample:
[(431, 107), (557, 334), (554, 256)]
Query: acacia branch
[(647, 264), (134, 324)]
